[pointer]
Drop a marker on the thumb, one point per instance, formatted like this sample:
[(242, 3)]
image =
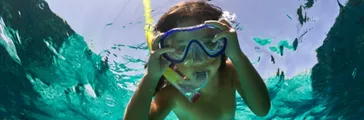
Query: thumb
[(225, 22)]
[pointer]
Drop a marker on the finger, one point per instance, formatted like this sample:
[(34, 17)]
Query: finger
[(220, 36), (156, 40), (225, 22), (218, 25), (159, 52)]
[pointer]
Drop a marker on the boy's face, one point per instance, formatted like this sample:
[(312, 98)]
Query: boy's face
[(211, 64)]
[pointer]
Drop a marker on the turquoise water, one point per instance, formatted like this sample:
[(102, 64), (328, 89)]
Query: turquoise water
[(107, 88), (116, 85), (50, 72)]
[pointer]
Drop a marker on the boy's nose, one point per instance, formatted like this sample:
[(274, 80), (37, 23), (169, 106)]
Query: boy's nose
[(195, 56), (192, 63)]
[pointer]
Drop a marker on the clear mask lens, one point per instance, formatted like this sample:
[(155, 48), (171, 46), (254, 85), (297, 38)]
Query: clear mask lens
[(192, 43)]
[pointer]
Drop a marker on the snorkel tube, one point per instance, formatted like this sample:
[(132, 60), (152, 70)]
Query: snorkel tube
[(171, 75)]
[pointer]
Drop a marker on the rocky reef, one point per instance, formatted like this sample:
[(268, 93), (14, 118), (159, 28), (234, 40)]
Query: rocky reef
[(34, 23), (339, 74)]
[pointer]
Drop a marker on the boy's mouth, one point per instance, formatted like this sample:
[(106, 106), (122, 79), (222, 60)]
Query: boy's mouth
[(200, 74), (198, 80), (197, 77)]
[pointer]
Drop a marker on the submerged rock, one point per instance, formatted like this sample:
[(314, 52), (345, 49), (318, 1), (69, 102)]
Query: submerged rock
[(341, 54), (35, 23), (55, 63)]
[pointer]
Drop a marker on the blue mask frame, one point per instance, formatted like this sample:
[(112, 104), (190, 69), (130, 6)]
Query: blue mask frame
[(188, 29)]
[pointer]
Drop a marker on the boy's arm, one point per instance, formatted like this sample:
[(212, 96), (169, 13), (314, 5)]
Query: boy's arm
[(163, 103), (250, 85), (141, 106)]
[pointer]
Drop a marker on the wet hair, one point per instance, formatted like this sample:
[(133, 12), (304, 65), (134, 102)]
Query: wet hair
[(197, 10)]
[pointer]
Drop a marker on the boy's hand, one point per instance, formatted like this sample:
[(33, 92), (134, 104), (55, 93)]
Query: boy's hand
[(156, 64), (229, 33)]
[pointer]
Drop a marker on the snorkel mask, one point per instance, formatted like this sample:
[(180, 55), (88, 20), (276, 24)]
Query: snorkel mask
[(195, 50), (192, 51)]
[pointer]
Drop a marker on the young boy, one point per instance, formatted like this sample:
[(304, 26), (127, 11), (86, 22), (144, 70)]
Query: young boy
[(217, 99)]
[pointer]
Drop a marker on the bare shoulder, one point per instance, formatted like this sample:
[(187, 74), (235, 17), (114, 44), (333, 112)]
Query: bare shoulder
[(167, 91), (163, 103), (230, 72)]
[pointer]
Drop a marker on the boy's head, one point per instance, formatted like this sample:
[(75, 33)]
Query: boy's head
[(190, 13)]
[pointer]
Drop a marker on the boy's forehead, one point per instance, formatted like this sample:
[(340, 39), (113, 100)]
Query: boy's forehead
[(191, 34), (196, 33), (187, 22)]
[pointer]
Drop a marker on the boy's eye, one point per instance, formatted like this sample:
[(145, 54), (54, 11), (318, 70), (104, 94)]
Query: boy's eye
[(181, 48), (209, 43)]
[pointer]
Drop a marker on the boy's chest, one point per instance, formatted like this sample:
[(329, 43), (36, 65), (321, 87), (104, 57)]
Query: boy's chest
[(218, 107)]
